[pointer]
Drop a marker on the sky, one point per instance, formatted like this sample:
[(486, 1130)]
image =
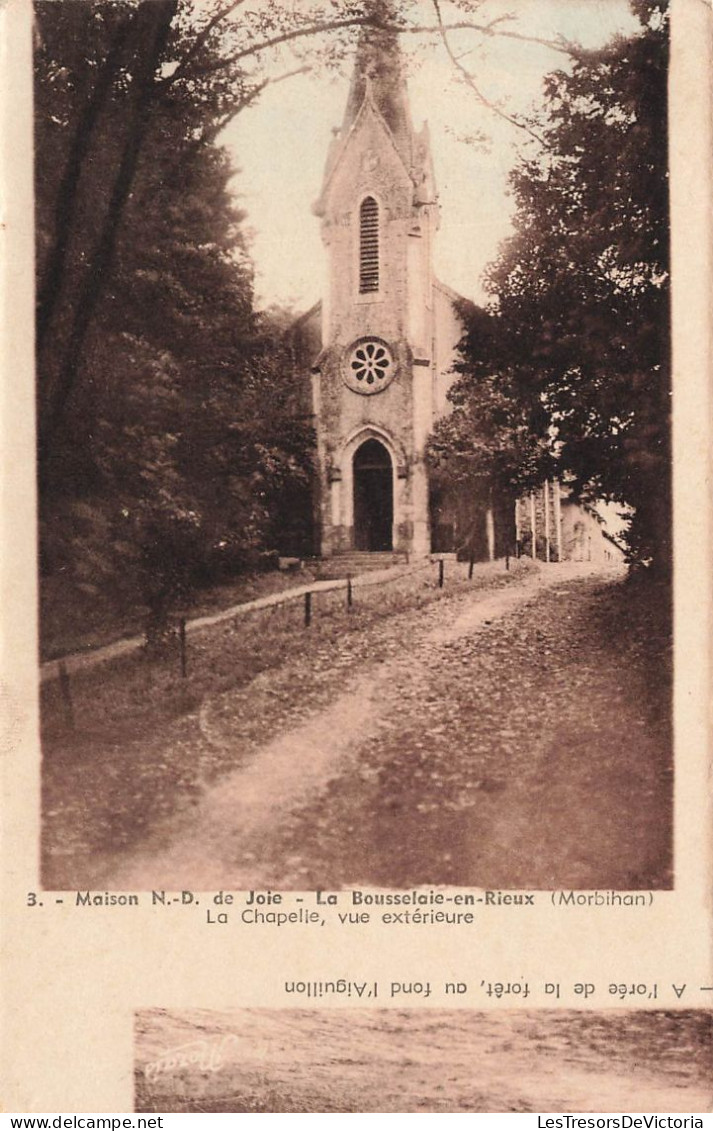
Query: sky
[(279, 146)]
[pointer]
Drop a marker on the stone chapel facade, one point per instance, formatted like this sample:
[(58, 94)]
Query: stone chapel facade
[(381, 344)]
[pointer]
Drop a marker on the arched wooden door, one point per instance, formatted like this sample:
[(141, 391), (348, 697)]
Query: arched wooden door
[(373, 497)]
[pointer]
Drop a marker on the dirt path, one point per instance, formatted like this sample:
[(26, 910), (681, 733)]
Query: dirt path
[(286, 773), (313, 806)]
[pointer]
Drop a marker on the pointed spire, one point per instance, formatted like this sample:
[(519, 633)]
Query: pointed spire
[(378, 71)]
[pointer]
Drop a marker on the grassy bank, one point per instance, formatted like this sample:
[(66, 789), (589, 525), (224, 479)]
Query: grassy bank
[(74, 619)]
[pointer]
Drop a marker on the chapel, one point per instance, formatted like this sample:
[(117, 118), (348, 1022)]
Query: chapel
[(377, 353), (381, 344)]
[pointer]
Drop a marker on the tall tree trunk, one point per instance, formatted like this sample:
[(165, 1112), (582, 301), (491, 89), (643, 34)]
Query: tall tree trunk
[(152, 28)]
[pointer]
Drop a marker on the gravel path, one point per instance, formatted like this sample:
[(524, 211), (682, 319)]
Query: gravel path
[(510, 739)]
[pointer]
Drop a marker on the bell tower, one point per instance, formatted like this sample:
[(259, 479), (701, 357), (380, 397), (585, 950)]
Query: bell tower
[(375, 380)]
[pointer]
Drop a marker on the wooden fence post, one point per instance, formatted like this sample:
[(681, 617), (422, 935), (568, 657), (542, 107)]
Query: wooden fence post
[(66, 692), (182, 644), (350, 597), (308, 609), (441, 568), (471, 563)]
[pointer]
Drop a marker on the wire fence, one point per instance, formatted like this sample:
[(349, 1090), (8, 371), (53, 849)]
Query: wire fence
[(212, 654)]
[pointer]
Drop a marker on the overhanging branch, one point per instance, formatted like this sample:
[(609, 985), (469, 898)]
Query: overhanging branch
[(468, 78), (491, 29)]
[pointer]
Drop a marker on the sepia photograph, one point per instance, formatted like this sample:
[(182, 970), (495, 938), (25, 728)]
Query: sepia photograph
[(427, 1060), (354, 464)]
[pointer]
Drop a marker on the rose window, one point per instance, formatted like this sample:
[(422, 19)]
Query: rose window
[(369, 366)]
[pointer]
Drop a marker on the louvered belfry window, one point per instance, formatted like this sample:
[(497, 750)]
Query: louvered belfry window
[(368, 246)]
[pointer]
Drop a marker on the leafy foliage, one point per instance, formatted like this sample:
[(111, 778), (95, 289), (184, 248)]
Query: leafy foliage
[(568, 371), (170, 430)]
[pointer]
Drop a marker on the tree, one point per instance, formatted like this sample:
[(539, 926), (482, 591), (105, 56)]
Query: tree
[(494, 433), (575, 344)]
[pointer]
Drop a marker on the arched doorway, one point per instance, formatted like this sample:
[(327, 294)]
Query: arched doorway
[(373, 497)]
